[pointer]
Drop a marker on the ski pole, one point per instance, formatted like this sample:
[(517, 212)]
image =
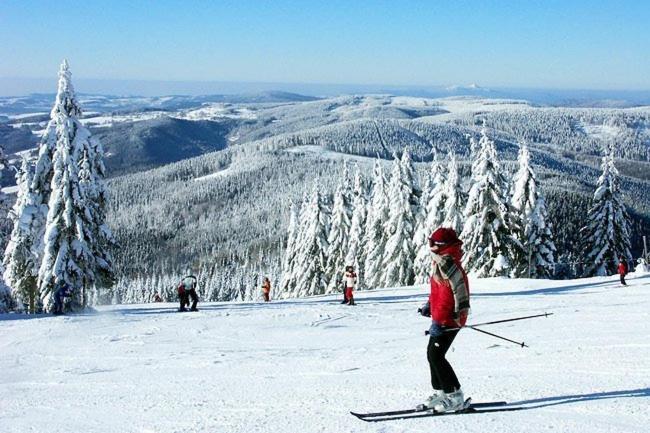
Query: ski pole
[(500, 321), (512, 320), (522, 344)]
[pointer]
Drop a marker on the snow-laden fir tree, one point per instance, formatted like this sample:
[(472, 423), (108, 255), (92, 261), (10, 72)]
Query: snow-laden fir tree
[(20, 260), (606, 234), (534, 232), (432, 209), (399, 253), (95, 196), (337, 240), (356, 252), (455, 198), (290, 249), (309, 269), (488, 242), (374, 238), (6, 299), (68, 251)]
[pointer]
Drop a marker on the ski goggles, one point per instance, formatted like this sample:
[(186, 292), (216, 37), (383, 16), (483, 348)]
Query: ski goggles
[(433, 243)]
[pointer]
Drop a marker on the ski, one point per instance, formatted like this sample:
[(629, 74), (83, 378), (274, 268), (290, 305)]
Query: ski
[(470, 410), (418, 410)]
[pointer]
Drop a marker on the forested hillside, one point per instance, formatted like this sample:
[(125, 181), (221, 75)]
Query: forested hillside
[(221, 209)]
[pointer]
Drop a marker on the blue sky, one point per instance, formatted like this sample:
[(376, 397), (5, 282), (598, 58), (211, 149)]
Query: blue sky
[(541, 44)]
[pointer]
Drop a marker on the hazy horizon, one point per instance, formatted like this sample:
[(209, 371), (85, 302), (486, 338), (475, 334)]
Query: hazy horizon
[(20, 87)]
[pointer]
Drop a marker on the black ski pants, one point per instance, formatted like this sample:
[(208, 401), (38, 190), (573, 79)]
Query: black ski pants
[(195, 298), (185, 299), (442, 375)]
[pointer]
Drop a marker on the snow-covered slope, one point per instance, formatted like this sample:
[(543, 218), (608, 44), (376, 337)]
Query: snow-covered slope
[(301, 365)]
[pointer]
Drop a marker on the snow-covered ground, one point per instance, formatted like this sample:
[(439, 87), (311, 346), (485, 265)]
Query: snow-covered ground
[(301, 365)]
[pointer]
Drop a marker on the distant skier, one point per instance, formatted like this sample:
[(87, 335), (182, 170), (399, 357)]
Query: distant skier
[(448, 307), (187, 290), (266, 289), (622, 270), (350, 280), (63, 291)]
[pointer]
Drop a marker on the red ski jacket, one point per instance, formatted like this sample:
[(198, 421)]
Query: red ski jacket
[(622, 268), (449, 288)]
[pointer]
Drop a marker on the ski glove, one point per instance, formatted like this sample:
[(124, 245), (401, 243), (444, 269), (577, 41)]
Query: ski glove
[(435, 330), (425, 310)]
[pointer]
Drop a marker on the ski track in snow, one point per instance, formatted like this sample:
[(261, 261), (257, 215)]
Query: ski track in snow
[(302, 365)]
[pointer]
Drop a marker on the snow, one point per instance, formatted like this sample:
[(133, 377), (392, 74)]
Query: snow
[(10, 189), (225, 172), (301, 365), (322, 152), (218, 111), (602, 132), (26, 115)]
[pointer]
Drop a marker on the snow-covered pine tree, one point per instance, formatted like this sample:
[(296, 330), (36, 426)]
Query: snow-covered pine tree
[(454, 195), (290, 249), (6, 300), (433, 215), (21, 267), (374, 238), (289, 276), (399, 254), (309, 271), (67, 254), (607, 231), (356, 252), (534, 232), (338, 239), (95, 195), (487, 238)]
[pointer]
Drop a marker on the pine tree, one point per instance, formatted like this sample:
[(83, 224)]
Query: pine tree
[(290, 250), (399, 253), (95, 197), (21, 268), (607, 231), (68, 256), (454, 197), (355, 255), (534, 232), (433, 215), (289, 275), (6, 300), (309, 271), (338, 239), (488, 241), (375, 236)]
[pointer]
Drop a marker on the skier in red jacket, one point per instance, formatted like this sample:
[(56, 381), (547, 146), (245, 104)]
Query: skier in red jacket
[(622, 270), (448, 306)]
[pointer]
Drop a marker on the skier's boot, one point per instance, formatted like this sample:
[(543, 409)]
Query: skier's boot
[(452, 402), (432, 401), (351, 302)]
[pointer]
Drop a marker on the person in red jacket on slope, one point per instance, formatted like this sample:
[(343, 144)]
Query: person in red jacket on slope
[(622, 270), (448, 307)]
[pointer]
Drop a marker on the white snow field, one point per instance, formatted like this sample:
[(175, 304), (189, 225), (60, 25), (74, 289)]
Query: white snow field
[(302, 365)]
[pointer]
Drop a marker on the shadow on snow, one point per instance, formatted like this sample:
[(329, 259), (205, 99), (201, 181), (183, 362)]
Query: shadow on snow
[(577, 398)]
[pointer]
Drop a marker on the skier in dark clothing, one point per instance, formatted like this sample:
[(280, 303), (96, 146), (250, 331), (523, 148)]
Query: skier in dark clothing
[(187, 290), (448, 307), (622, 270), (63, 291)]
